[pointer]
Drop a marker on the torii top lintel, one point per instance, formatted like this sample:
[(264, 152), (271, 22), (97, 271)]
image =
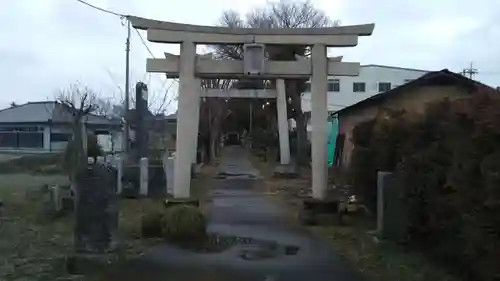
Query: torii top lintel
[(170, 32)]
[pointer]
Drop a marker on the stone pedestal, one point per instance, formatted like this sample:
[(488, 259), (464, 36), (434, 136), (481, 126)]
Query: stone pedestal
[(286, 171), (316, 211), (183, 201), (96, 218)]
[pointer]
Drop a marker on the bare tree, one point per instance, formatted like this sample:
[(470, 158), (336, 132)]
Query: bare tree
[(158, 101), (104, 107), (212, 113), (79, 101), (282, 14)]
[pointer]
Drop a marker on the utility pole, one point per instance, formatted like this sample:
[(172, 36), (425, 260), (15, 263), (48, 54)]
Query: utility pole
[(470, 71), (127, 89)]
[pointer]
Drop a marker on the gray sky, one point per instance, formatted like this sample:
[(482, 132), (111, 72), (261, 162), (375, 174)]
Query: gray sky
[(48, 44)]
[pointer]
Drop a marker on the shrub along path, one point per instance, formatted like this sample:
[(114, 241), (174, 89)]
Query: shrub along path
[(269, 246)]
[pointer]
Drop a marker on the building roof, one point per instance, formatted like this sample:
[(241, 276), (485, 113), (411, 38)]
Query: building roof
[(44, 112), (442, 77), (395, 67)]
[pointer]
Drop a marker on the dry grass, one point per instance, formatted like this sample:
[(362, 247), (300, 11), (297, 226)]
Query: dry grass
[(380, 260)]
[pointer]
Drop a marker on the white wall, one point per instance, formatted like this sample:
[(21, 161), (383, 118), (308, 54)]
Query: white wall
[(371, 75)]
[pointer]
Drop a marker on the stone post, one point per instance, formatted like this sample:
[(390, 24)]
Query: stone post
[(189, 95), (281, 104), (319, 116), (46, 137), (384, 182), (168, 167), (143, 176), (119, 174), (380, 201), (56, 193)]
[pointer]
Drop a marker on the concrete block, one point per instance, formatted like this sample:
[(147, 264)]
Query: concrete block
[(286, 171)]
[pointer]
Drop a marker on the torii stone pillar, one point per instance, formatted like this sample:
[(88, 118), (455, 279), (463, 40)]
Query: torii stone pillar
[(319, 116), (196, 128), (282, 122), (188, 110)]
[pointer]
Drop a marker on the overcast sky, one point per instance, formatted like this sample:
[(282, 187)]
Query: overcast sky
[(47, 44)]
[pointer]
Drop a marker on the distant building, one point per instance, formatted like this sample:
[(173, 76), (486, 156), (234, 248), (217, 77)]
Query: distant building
[(373, 79), (41, 127), (412, 97)]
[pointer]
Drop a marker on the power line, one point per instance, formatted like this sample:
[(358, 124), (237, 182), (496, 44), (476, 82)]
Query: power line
[(148, 49), (144, 43), (122, 16), (102, 9)]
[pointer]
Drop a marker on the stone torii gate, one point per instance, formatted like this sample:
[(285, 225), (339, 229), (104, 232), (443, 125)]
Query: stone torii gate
[(190, 68)]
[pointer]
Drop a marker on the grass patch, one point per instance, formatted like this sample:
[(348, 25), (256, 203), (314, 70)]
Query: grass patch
[(29, 247), (32, 164), (34, 249)]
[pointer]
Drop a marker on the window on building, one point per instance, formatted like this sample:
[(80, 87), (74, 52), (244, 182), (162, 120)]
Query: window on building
[(358, 87), (334, 85), (60, 137), (21, 137), (384, 86)]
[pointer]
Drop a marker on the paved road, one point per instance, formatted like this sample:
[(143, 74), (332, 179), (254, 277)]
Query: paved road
[(240, 211)]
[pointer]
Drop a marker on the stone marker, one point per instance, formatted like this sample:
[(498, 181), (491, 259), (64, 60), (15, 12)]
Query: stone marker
[(96, 217), (383, 179)]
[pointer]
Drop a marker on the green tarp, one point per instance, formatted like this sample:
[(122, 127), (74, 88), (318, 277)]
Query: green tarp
[(333, 130)]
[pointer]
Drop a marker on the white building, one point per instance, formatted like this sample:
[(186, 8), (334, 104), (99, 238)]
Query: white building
[(373, 79)]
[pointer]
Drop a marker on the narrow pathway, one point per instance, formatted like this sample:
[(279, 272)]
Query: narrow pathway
[(276, 250)]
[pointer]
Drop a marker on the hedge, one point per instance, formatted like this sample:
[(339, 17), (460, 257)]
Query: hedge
[(447, 161)]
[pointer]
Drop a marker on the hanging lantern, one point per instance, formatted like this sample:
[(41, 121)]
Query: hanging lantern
[(253, 59)]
